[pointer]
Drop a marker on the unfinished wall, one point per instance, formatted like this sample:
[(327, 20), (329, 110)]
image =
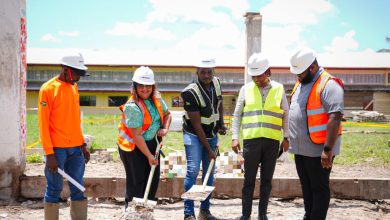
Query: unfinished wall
[(12, 95), (382, 102)]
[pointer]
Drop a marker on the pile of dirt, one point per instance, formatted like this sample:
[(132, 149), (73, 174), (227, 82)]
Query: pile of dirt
[(278, 209)]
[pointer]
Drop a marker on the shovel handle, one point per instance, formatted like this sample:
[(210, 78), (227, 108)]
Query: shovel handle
[(151, 173), (206, 178), (70, 179)]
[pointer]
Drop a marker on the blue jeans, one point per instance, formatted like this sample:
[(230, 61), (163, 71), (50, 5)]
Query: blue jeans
[(71, 160), (196, 153)]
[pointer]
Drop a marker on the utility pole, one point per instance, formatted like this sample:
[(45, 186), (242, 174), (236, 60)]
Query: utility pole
[(253, 23)]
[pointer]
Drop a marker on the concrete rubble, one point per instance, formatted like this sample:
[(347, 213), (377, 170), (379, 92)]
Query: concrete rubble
[(359, 116)]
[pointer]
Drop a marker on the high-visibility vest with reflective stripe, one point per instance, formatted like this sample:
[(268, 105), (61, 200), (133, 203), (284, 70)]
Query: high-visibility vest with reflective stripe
[(213, 117), (125, 137), (317, 118), (262, 121)]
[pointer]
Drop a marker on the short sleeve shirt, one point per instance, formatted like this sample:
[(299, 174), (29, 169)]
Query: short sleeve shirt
[(191, 104), (332, 99), (135, 118)]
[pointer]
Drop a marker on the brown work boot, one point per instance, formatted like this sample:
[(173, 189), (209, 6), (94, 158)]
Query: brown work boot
[(51, 211), (189, 217), (78, 209), (204, 214)]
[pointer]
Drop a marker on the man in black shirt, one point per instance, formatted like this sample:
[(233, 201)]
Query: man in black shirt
[(202, 120)]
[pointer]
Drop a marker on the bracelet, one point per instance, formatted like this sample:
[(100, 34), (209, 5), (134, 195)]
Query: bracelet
[(327, 148)]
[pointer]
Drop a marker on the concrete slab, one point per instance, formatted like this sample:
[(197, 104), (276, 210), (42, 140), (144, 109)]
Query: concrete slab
[(34, 187)]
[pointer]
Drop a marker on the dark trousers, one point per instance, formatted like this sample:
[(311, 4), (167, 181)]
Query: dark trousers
[(257, 151), (315, 186), (137, 172)]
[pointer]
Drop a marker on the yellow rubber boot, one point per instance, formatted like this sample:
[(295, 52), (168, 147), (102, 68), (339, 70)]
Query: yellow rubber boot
[(78, 209), (51, 211)]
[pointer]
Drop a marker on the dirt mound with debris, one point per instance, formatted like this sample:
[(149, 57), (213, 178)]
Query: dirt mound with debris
[(223, 209)]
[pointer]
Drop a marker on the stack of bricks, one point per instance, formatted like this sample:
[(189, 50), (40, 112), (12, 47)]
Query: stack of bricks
[(230, 164), (174, 165)]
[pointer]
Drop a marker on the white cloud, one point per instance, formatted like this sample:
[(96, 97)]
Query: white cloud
[(281, 39), (302, 12), (344, 43), (202, 11), (284, 22), (140, 30), (69, 33), (49, 38), (218, 18)]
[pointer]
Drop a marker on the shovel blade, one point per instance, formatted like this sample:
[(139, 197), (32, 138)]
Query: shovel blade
[(141, 202), (197, 193)]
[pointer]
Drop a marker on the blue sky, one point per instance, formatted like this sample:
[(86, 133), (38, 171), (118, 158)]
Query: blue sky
[(214, 27)]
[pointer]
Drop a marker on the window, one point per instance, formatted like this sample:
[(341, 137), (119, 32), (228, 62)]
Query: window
[(117, 100), (87, 100), (177, 101)]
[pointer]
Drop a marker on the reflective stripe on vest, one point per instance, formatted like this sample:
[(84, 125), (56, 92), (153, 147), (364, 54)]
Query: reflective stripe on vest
[(125, 138), (317, 118), (206, 121), (214, 117), (262, 121)]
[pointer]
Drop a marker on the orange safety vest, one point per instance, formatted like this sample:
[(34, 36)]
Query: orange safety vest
[(317, 118), (125, 138)]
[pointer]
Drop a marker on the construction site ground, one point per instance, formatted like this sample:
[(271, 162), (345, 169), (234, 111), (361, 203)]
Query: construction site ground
[(169, 208)]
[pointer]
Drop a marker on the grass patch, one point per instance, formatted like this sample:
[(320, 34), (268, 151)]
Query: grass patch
[(357, 148), (34, 158)]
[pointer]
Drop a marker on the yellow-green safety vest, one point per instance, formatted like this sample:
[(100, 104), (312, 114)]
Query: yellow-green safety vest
[(262, 121)]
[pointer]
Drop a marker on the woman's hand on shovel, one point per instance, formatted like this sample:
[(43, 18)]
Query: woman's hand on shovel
[(152, 160)]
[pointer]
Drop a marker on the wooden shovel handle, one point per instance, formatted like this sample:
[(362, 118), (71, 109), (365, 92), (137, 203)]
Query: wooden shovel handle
[(206, 178), (151, 172)]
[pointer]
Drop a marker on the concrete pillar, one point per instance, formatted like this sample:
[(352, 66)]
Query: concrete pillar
[(253, 37), (13, 68)]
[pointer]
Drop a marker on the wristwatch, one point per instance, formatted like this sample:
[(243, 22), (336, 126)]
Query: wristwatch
[(327, 148)]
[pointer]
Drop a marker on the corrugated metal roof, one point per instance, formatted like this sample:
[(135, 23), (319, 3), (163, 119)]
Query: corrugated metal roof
[(367, 59)]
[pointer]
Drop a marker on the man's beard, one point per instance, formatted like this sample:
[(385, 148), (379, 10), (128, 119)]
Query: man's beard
[(307, 78)]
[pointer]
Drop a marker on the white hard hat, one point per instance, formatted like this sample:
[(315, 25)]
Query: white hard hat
[(206, 63), (74, 60), (301, 60), (257, 64), (144, 75)]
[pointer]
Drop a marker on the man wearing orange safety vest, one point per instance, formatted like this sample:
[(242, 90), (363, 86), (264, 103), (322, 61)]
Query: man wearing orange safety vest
[(316, 110), (62, 138)]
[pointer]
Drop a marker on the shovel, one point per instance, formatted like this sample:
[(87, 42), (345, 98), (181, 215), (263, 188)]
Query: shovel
[(200, 192), (144, 202), (70, 179)]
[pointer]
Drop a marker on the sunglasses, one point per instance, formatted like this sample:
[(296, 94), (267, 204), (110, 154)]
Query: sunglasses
[(78, 72), (141, 86)]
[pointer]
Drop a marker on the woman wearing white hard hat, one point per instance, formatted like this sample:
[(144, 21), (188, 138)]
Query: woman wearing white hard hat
[(262, 111), (145, 117)]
